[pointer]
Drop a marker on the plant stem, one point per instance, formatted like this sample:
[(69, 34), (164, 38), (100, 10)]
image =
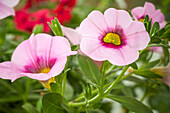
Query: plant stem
[(117, 80), (25, 96), (103, 77), (99, 96), (64, 80)]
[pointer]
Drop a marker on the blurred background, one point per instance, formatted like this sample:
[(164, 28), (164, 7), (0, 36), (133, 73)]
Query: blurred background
[(26, 93)]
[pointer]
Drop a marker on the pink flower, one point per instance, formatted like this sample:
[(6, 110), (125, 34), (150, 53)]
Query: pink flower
[(73, 35), (139, 14), (164, 72), (113, 37), (6, 8), (40, 57)]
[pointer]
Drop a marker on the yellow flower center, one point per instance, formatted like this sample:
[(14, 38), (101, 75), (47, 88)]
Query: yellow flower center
[(112, 38), (45, 70), (141, 20)]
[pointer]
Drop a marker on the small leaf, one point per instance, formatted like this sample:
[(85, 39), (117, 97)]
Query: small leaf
[(29, 108), (166, 34), (150, 64), (158, 45), (131, 104), (154, 28), (166, 58), (56, 27), (147, 74), (38, 29), (55, 87), (134, 65), (160, 32), (51, 103), (155, 39), (146, 18), (90, 69)]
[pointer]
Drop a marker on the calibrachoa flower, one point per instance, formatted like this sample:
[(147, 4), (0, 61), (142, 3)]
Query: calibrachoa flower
[(62, 11), (139, 14), (113, 37), (6, 8), (164, 72), (40, 57)]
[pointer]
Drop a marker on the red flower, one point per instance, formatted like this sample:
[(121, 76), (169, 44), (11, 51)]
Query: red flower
[(26, 19)]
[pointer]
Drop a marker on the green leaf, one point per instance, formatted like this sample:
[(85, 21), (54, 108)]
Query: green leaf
[(150, 64), (159, 45), (146, 18), (155, 27), (52, 103), (166, 58), (131, 104), (160, 32), (134, 65), (55, 87), (29, 108), (90, 69), (38, 29), (147, 74), (56, 27), (155, 39), (166, 34)]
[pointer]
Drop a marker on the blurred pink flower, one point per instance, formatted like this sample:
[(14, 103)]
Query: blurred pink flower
[(156, 49), (40, 57), (113, 36), (139, 14), (6, 8), (73, 35), (164, 72)]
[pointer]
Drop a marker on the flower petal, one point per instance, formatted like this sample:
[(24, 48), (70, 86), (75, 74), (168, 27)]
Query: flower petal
[(149, 8), (37, 76), (10, 71), (110, 17), (55, 70), (72, 34), (138, 12), (58, 67), (136, 36), (10, 3), (126, 55), (158, 16), (123, 19), (5, 11), (94, 24), (24, 54), (134, 27), (138, 40), (120, 56)]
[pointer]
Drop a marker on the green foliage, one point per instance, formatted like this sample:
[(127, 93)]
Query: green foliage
[(134, 65), (56, 27), (38, 29), (29, 108), (130, 103), (147, 74), (90, 69), (150, 64), (54, 103)]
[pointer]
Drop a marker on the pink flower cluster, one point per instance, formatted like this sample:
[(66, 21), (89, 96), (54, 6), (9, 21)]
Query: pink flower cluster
[(111, 36)]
